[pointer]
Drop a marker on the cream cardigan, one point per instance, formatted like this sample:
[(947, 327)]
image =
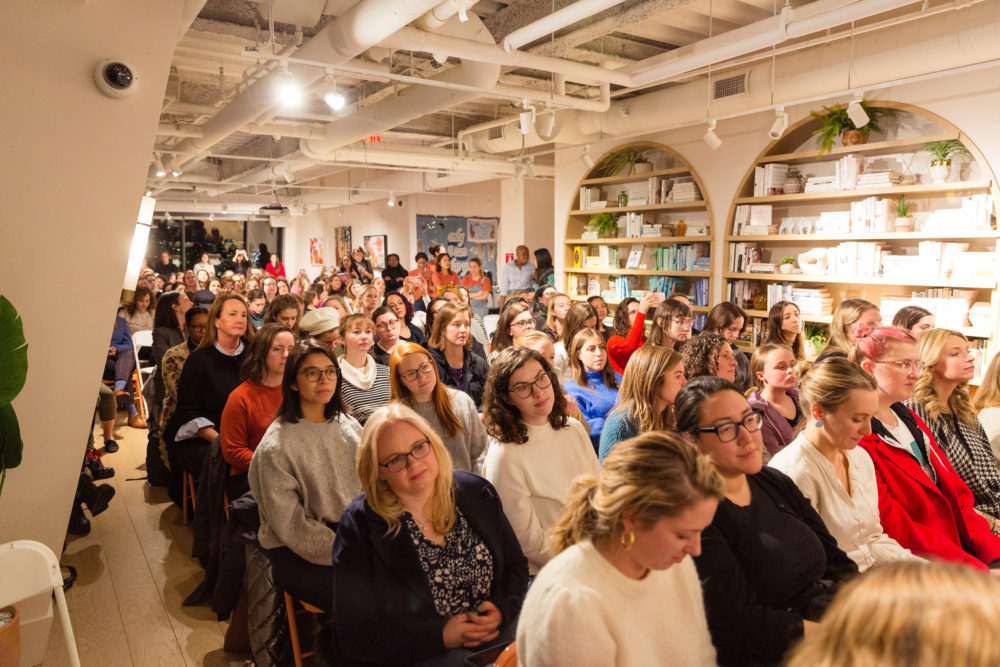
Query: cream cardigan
[(853, 519)]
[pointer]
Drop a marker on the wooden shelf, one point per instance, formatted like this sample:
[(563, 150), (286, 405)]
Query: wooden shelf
[(615, 302), (816, 319), (861, 193), (834, 280), (638, 272), (909, 145), (634, 178), (672, 206), (640, 240), (866, 236)]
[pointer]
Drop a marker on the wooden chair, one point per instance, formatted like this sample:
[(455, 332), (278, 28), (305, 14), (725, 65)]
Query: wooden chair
[(293, 628), (508, 658), (187, 492)]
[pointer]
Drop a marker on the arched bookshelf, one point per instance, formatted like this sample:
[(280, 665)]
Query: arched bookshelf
[(652, 249), (854, 227)]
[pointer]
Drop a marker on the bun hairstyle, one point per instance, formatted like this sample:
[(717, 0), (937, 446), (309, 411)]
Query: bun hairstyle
[(653, 476), (829, 383), (875, 345)]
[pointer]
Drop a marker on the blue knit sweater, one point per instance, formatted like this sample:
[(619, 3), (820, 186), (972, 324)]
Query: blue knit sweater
[(617, 427), (595, 402)]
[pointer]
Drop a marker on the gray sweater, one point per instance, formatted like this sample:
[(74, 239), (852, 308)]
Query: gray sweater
[(303, 477), (469, 448)]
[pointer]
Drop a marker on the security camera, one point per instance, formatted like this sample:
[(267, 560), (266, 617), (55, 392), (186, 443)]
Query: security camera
[(399, 203), (114, 78)]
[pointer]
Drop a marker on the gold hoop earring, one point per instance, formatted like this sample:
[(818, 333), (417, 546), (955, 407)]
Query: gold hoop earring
[(627, 539)]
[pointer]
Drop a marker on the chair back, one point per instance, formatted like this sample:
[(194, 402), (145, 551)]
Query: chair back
[(490, 324), (142, 339), (508, 658)]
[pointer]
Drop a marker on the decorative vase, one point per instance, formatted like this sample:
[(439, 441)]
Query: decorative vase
[(10, 639), (854, 137), (940, 170), (904, 224), (785, 268), (793, 185), (643, 167)]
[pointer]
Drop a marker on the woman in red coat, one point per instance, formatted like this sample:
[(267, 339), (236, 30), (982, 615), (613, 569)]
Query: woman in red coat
[(923, 503), (628, 333)]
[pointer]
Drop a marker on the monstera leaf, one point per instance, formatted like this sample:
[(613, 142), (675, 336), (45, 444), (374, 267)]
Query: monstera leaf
[(13, 371)]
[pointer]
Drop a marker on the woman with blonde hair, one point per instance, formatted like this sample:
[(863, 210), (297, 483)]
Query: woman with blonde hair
[(923, 503), (941, 399), (646, 396), (621, 589), (450, 345), (853, 319), (367, 301), (555, 321), (426, 565), (366, 382), (535, 449), (452, 414), (987, 404), (913, 614), (826, 464), (776, 398)]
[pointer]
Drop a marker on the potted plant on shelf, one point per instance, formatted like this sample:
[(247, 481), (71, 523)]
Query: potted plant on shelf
[(835, 121), (627, 160), (941, 154), (786, 264), (794, 183), (904, 221), (605, 224)]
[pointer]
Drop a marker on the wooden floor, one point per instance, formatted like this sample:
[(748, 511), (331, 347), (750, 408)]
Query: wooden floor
[(135, 568)]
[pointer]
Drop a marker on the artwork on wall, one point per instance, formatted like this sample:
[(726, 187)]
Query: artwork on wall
[(317, 250), (343, 241), (375, 249), (455, 235)]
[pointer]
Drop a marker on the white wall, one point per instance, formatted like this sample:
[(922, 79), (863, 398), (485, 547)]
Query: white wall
[(72, 183), (969, 101)]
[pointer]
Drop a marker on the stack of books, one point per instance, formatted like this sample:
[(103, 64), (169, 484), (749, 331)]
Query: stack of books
[(833, 222), (822, 184), (878, 179), (974, 215), (742, 256), (872, 215), (812, 301), (753, 219), (768, 179), (587, 196), (849, 172), (685, 191)]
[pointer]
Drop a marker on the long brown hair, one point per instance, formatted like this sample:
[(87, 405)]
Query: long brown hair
[(620, 325), (445, 315), (502, 338), (775, 319), (644, 374), (254, 366), (652, 476), (576, 316), (665, 313), (579, 371), (440, 397), (500, 417)]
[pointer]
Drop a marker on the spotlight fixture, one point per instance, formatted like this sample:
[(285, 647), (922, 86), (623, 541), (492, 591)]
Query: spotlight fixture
[(585, 157), (211, 217), (284, 170), (392, 199), (545, 123), (857, 113), (334, 99), (288, 92), (527, 117), (148, 192), (158, 163), (710, 137), (780, 123), (176, 172)]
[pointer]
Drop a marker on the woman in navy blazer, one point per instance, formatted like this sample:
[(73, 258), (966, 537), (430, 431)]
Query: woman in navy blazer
[(427, 569)]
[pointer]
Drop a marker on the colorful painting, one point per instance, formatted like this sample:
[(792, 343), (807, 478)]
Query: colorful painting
[(317, 250), (375, 250), (452, 234), (343, 236)]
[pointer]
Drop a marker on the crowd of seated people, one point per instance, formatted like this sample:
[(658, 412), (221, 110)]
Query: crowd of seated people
[(665, 493)]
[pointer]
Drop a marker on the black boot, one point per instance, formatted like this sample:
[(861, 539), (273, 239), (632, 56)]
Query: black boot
[(96, 496), (79, 524), (97, 468)]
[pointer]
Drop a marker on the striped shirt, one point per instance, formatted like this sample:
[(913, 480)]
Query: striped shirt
[(363, 402)]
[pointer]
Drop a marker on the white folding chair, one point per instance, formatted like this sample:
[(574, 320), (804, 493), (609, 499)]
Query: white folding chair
[(490, 323), (142, 339), (31, 569)]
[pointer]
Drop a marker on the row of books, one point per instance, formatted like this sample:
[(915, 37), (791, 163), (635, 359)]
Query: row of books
[(950, 306), (973, 215), (752, 219), (810, 300), (768, 179), (634, 226), (754, 331), (678, 257), (619, 287), (858, 259)]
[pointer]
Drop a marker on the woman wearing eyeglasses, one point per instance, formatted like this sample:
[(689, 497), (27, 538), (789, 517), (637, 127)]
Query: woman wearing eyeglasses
[(768, 565), (426, 567), (386, 332), (535, 450), (515, 320), (451, 413), (303, 475), (923, 503), (366, 382)]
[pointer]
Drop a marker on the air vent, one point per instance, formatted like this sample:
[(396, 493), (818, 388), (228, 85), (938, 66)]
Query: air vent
[(730, 86), (496, 132)]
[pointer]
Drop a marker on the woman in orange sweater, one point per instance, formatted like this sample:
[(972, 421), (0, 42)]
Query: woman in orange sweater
[(253, 405)]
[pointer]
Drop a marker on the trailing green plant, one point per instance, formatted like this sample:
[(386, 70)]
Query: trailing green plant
[(14, 362), (617, 160), (941, 151), (902, 207), (787, 259), (835, 120), (604, 224), (816, 334)]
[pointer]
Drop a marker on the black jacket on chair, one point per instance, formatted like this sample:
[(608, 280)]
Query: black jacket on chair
[(383, 609), (475, 374)]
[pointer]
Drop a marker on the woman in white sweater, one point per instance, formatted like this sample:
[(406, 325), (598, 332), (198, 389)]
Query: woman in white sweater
[(535, 450), (303, 475), (621, 589), (452, 414), (839, 400)]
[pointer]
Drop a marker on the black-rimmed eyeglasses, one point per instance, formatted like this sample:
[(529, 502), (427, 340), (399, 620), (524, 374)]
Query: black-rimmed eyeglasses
[(730, 430)]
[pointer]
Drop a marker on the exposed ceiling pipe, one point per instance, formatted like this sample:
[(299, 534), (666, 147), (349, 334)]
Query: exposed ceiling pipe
[(413, 39), (807, 19), (189, 13), (362, 26), (413, 101), (601, 104), (377, 189), (556, 21)]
